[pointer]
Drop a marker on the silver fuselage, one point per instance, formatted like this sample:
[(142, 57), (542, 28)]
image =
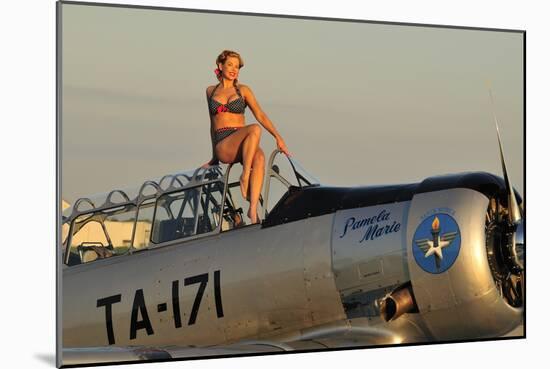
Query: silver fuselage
[(269, 283)]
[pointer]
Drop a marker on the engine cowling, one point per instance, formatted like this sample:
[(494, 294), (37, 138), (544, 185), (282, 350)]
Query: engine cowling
[(463, 294)]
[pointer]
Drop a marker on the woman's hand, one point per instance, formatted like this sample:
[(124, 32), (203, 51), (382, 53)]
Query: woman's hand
[(282, 146)]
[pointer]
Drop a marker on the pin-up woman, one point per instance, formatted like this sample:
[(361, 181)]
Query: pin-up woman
[(232, 140)]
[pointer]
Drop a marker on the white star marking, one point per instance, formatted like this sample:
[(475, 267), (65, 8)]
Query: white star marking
[(436, 250)]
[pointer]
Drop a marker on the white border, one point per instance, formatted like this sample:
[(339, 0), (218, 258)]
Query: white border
[(28, 109)]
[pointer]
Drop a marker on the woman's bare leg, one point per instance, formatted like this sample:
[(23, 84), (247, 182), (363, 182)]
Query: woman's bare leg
[(250, 146), (256, 181), (240, 146)]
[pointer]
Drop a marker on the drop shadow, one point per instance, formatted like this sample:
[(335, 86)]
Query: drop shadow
[(47, 358)]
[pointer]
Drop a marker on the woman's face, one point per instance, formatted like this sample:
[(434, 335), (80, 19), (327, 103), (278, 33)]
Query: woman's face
[(230, 69)]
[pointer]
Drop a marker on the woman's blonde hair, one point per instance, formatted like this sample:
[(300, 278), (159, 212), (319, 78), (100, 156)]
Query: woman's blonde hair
[(226, 54), (223, 57)]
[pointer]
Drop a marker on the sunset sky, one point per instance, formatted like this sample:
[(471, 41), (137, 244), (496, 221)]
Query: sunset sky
[(357, 103)]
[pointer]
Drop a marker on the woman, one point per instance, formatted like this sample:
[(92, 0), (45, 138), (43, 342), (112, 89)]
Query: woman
[(232, 140)]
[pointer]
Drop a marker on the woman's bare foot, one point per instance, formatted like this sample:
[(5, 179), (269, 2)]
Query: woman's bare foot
[(245, 178), (253, 215)]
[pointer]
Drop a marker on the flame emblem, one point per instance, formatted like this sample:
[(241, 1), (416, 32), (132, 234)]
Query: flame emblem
[(435, 224)]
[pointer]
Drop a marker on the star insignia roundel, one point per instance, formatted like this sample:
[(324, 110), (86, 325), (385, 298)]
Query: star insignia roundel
[(436, 243)]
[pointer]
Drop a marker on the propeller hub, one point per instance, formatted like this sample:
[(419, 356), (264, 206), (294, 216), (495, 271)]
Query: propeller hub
[(505, 250), (519, 245)]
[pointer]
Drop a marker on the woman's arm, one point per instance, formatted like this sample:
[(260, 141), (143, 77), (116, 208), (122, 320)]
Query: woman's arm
[(213, 160), (262, 117)]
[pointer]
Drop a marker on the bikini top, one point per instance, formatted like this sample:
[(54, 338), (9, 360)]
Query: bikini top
[(236, 106)]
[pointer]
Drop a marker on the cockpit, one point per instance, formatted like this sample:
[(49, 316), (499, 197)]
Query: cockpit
[(172, 209)]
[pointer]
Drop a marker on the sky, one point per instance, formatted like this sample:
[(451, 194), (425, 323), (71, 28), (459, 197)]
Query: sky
[(357, 103)]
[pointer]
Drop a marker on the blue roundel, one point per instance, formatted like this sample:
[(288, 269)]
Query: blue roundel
[(436, 243)]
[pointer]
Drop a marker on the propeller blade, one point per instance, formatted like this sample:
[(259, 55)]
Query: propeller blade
[(514, 214)]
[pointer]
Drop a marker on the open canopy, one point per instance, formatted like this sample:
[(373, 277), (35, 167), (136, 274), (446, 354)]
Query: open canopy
[(163, 211)]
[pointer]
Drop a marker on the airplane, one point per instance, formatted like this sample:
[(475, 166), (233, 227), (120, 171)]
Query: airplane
[(170, 269)]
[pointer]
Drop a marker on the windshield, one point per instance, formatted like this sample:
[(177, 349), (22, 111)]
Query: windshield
[(284, 174), (304, 177)]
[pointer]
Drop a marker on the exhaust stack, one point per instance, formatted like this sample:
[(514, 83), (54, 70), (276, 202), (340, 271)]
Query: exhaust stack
[(398, 302)]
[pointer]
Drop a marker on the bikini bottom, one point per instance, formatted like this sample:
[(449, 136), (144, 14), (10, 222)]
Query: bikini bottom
[(222, 133)]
